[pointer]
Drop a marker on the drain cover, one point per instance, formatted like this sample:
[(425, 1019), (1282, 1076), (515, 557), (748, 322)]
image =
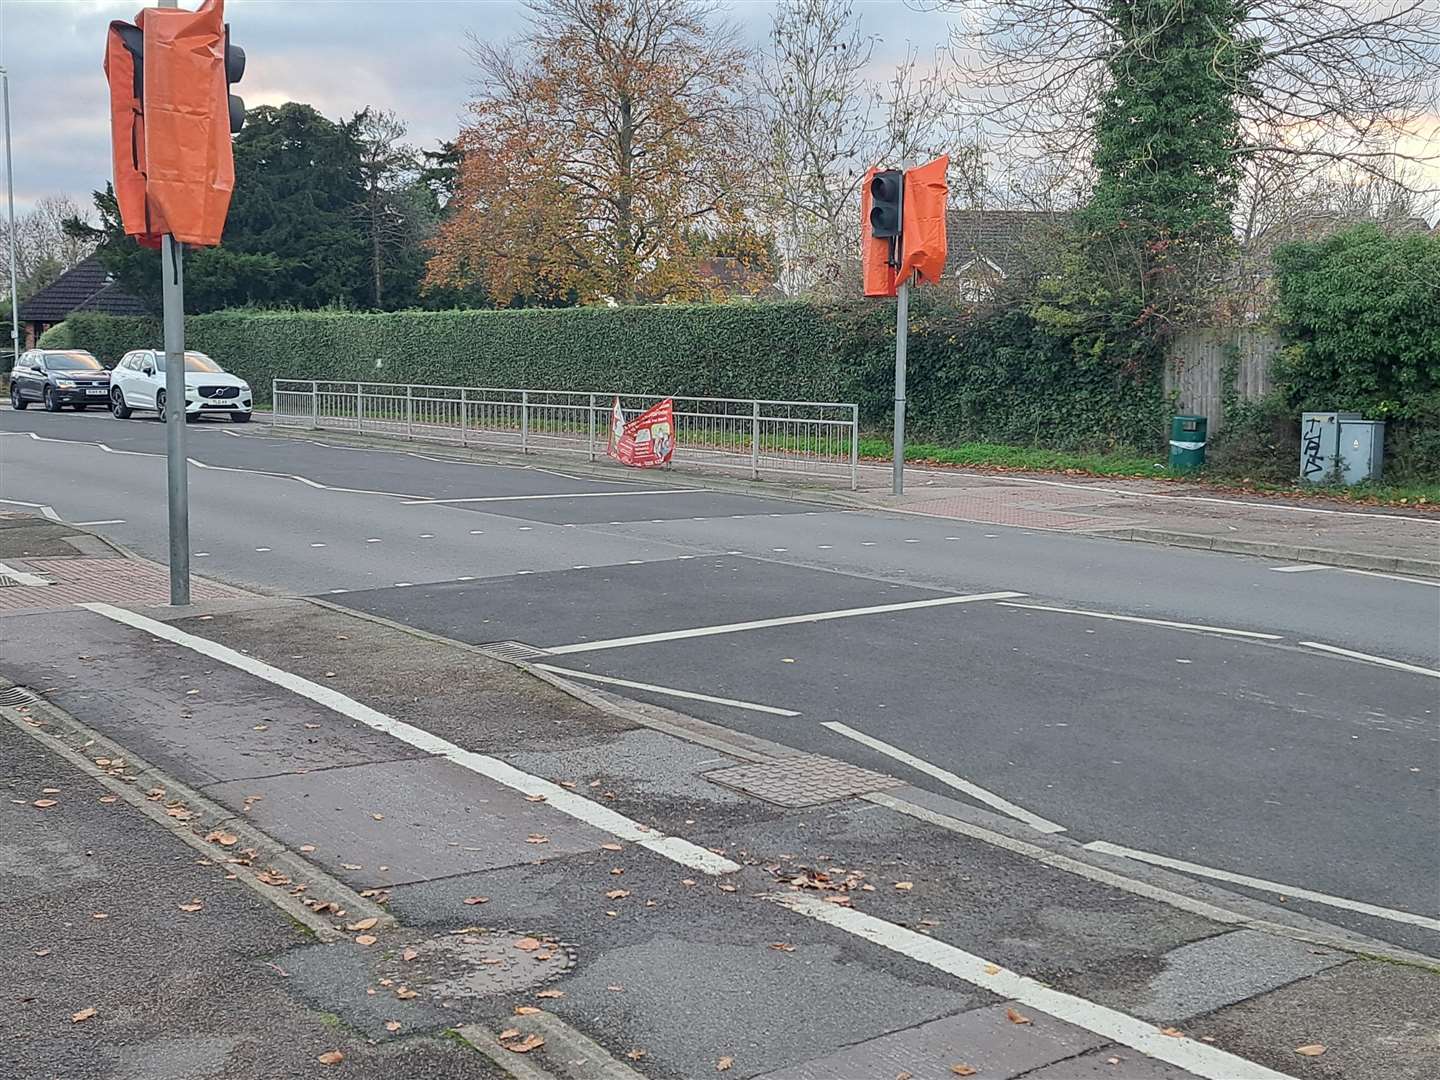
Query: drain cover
[(16, 695), (513, 650), (479, 963), (802, 780)]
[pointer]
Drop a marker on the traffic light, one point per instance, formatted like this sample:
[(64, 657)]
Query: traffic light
[(234, 72), (887, 189), (171, 117)]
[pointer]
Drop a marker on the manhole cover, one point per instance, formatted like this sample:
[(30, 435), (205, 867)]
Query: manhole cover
[(478, 963), (802, 780), (513, 650)]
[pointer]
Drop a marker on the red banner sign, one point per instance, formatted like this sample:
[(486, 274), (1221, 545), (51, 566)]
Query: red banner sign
[(646, 441)]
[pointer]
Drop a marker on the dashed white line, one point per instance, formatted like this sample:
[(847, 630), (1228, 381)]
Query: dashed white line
[(317, 545), (557, 495), (784, 620), (107, 521), (1149, 622), (670, 691), (1384, 661), (945, 776), (1295, 892)]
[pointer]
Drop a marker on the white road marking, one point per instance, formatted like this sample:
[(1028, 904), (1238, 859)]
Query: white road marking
[(669, 690), (1355, 570), (107, 521), (317, 545), (1265, 886), (1382, 660), (262, 549), (562, 799), (1196, 1057), (784, 620), (45, 511), (1149, 622), (945, 776), (23, 577), (570, 495), (374, 540)]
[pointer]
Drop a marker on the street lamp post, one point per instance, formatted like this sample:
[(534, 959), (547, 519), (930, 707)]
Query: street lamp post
[(10, 184)]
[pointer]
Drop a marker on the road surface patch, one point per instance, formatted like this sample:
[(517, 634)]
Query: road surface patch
[(802, 780)]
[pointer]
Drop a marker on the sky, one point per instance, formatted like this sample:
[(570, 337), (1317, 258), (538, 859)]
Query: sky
[(338, 55)]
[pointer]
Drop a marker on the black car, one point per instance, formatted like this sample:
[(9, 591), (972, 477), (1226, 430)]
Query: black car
[(59, 377)]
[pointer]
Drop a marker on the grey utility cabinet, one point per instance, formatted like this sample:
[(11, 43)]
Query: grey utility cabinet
[(1340, 445)]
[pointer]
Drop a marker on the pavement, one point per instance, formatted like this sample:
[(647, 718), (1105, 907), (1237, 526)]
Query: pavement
[(1170, 788)]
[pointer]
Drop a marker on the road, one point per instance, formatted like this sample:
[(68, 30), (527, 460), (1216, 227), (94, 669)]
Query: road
[(1248, 748)]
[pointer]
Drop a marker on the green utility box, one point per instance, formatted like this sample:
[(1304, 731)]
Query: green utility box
[(1187, 443)]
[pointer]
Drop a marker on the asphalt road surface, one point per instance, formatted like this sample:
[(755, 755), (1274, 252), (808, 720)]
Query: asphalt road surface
[(978, 661)]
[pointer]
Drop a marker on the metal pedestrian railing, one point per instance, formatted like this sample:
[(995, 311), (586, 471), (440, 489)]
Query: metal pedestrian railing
[(819, 440)]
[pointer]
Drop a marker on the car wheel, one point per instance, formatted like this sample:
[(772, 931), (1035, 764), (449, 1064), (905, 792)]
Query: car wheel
[(239, 417), (51, 405), (160, 406), (16, 401), (117, 404)]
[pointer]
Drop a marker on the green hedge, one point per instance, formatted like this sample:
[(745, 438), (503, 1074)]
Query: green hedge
[(996, 377)]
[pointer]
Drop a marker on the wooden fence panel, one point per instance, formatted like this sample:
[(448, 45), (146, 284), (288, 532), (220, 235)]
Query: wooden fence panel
[(1197, 360)]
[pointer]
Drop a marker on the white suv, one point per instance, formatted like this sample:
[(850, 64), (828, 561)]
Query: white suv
[(138, 382)]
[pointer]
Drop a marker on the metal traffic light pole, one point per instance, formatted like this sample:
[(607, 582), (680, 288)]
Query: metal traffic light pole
[(172, 294)]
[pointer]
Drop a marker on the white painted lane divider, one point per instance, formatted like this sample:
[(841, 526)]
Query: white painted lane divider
[(784, 620), (1149, 622), (562, 799), (45, 511), (1383, 661), (1197, 1057), (1295, 892), (107, 521), (558, 495), (945, 776), (1355, 570), (588, 676)]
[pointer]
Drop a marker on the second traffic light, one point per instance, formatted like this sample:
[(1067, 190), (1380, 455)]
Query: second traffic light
[(234, 72), (887, 193)]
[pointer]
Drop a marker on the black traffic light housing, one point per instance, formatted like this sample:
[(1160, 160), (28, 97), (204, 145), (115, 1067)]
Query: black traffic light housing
[(887, 189), (234, 72)]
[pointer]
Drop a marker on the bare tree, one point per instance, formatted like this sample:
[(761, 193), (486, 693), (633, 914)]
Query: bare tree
[(1332, 80), (44, 248), (826, 123), (388, 167)]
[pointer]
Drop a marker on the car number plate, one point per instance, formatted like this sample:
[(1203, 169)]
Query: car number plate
[(99, 392)]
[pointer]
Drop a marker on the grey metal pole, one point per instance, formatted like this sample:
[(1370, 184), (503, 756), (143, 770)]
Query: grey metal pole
[(10, 184), (902, 333), (172, 278)]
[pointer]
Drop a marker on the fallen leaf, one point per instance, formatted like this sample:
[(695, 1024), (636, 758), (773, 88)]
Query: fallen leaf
[(1174, 1033), (41, 952), (688, 881), (404, 993), (617, 894), (50, 791), (525, 1010), (83, 1015), (537, 838), (366, 939), (726, 887), (615, 988), (904, 886), (477, 900), (363, 924), (44, 803), (193, 905), (992, 969), (331, 1057), (904, 1076), (1112, 1061), (392, 1025), (527, 944), (525, 1045), (378, 817), (782, 946), (551, 994), (109, 798), (611, 847), (535, 798), (1019, 1018), (99, 915), (1310, 1050), (409, 954), (608, 914), (351, 866), (616, 871), (307, 848), (509, 1033), (962, 1070), (724, 1064), (636, 1054)]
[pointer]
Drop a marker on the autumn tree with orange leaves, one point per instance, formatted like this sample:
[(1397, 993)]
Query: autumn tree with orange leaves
[(604, 140)]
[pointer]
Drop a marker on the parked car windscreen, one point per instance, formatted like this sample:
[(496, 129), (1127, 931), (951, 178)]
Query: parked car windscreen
[(72, 361), (194, 361)]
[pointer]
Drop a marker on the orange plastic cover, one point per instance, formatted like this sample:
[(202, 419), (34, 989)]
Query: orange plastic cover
[(922, 216), (127, 134), (879, 275)]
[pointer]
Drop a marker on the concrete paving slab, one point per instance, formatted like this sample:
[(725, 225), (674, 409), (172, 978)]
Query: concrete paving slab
[(985, 1039), (1206, 975), (1109, 1063), (406, 821), (202, 721), (1376, 1020)]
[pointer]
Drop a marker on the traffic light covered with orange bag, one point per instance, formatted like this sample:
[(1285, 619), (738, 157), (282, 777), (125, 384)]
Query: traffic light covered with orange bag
[(171, 117), (902, 226)]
